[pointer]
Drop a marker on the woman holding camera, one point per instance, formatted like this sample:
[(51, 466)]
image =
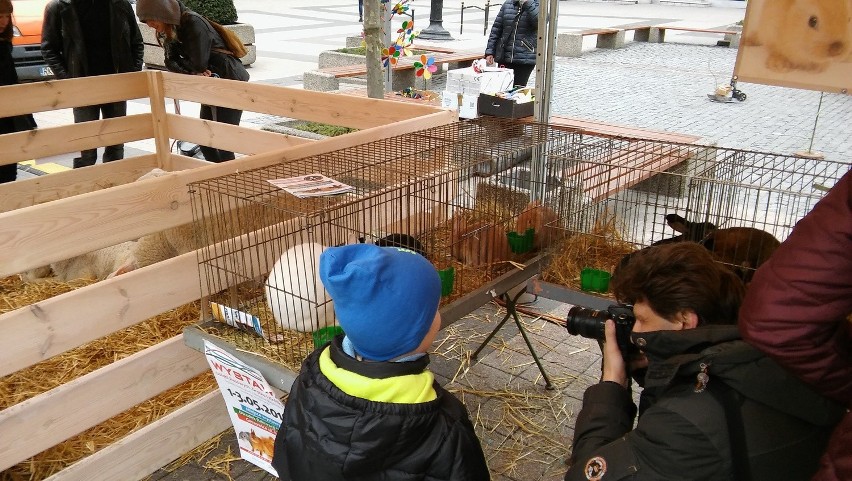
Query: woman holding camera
[(712, 407)]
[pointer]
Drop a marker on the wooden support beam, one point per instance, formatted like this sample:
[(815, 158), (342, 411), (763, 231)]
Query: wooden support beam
[(76, 92), (56, 415), (59, 185), (53, 326), (354, 112), (154, 445), (230, 137), (160, 120), (50, 141)]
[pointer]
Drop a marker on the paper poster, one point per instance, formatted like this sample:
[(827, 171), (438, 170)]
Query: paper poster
[(255, 410), (311, 185), (797, 43)]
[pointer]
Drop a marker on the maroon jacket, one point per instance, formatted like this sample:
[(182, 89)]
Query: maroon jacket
[(798, 307)]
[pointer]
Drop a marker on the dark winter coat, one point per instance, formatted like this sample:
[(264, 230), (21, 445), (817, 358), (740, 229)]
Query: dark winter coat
[(514, 34), (683, 434), (798, 307), (329, 435), (8, 76), (199, 47), (62, 39)]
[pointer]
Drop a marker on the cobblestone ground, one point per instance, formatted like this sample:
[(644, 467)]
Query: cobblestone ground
[(665, 87)]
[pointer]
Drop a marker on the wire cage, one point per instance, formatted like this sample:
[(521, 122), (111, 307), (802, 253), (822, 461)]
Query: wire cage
[(739, 204), (479, 199), (450, 193)]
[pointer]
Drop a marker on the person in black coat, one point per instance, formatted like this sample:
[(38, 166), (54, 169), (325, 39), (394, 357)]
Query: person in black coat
[(514, 37), (84, 38), (8, 76), (193, 46), (713, 407), (365, 406)]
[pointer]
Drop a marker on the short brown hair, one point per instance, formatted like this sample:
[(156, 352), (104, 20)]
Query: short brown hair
[(682, 276)]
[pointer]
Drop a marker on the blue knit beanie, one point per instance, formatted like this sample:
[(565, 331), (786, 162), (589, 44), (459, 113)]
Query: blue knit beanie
[(385, 298)]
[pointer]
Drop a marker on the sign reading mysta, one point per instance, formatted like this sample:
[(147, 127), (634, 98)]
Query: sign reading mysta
[(255, 410)]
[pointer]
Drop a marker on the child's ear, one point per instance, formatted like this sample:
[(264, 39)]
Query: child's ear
[(688, 319)]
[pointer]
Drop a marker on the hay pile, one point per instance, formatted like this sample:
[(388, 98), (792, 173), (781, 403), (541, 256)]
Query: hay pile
[(44, 376), (601, 248)]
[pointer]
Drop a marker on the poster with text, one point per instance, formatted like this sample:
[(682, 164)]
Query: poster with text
[(797, 43), (255, 410)]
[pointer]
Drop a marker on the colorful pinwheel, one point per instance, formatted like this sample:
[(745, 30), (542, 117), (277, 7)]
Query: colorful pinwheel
[(400, 8), (425, 67), (390, 55)]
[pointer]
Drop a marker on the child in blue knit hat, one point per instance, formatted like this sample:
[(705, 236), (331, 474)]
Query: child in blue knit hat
[(365, 406)]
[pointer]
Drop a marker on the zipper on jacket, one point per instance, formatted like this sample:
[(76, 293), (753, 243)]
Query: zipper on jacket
[(515, 35)]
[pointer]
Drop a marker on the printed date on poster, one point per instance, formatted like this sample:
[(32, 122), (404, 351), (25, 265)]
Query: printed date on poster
[(248, 401)]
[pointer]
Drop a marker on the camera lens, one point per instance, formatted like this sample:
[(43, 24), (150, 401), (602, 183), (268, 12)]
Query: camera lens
[(589, 323)]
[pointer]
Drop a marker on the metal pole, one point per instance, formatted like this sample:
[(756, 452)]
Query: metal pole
[(435, 30), (813, 132), (485, 22), (548, 13), (461, 23)]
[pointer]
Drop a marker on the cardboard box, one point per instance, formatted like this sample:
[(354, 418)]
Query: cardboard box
[(489, 81), (500, 107), (467, 108)]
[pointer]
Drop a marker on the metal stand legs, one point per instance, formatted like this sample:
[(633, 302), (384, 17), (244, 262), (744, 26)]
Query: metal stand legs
[(511, 312)]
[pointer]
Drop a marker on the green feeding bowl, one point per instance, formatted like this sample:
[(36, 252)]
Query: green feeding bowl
[(448, 277), (326, 334), (520, 243), (594, 280)]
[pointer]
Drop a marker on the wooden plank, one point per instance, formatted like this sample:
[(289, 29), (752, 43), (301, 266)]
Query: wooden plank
[(230, 137), (154, 445), (46, 188), (632, 170), (63, 412), (699, 30), (90, 221), (50, 141), (616, 130), (598, 31), (159, 120), (359, 113), (52, 326), (77, 92), (182, 162)]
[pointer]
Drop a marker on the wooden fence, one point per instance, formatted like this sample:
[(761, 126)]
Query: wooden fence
[(61, 215)]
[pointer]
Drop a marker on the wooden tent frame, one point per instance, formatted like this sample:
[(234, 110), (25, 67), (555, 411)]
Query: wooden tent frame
[(61, 215)]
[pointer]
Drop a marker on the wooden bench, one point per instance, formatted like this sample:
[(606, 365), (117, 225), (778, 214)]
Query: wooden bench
[(657, 34), (605, 170), (622, 168), (328, 78)]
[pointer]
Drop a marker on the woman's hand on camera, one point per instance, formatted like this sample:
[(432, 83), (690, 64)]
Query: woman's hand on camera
[(613, 363)]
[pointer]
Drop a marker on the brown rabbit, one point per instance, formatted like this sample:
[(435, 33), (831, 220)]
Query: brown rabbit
[(477, 242), (803, 35), (541, 218)]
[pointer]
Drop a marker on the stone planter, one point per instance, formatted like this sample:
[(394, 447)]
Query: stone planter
[(286, 127), (154, 57)]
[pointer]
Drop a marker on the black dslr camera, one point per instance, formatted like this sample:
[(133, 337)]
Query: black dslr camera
[(591, 324)]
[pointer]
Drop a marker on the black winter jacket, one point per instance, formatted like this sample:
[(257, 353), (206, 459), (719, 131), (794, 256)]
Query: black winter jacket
[(329, 435), (514, 35), (62, 39), (199, 47), (683, 434)]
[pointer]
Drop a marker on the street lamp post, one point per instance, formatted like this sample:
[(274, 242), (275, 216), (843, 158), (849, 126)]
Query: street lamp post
[(435, 30)]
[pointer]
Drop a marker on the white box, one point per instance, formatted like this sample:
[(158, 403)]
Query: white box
[(489, 81), (468, 107)]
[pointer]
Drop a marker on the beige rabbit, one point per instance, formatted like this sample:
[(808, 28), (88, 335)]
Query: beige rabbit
[(477, 242), (541, 218), (804, 35)]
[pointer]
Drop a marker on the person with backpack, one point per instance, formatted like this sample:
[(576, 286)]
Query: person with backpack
[(712, 406), (195, 45)]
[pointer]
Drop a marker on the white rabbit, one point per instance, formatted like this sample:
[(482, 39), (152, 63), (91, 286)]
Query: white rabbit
[(294, 292)]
